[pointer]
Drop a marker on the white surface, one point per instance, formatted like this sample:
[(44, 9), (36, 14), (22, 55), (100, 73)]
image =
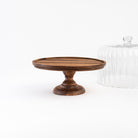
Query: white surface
[(32, 29)]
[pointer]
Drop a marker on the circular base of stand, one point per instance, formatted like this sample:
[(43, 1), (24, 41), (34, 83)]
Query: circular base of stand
[(69, 90)]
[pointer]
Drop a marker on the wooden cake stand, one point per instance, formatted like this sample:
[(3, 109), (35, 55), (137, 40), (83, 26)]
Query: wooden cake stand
[(69, 65)]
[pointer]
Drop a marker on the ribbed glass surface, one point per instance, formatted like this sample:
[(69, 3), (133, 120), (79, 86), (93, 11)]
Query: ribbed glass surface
[(121, 68)]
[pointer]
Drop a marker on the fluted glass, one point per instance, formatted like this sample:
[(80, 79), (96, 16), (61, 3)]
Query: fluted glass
[(121, 68)]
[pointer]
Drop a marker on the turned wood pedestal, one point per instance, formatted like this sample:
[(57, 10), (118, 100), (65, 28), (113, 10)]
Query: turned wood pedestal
[(69, 65)]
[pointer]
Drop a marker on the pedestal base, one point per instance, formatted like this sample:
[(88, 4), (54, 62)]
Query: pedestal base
[(69, 86), (69, 90)]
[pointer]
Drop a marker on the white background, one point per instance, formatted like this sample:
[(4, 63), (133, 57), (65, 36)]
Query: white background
[(31, 29)]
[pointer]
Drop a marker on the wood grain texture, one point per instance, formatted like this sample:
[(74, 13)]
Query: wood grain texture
[(69, 63), (69, 86)]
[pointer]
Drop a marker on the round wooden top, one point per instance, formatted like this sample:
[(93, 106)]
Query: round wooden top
[(68, 63)]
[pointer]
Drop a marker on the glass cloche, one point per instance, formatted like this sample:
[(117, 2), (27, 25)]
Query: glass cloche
[(121, 68)]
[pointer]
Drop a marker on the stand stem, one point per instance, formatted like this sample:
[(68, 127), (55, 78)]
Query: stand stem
[(69, 78), (69, 86)]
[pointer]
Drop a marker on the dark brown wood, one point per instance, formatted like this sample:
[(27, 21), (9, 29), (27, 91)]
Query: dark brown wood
[(69, 86), (69, 65)]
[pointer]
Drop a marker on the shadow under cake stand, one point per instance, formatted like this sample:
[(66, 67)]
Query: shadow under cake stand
[(69, 65)]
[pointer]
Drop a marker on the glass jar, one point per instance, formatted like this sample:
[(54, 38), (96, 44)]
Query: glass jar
[(121, 68)]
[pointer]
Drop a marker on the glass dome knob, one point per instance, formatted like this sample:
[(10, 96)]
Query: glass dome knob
[(127, 40)]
